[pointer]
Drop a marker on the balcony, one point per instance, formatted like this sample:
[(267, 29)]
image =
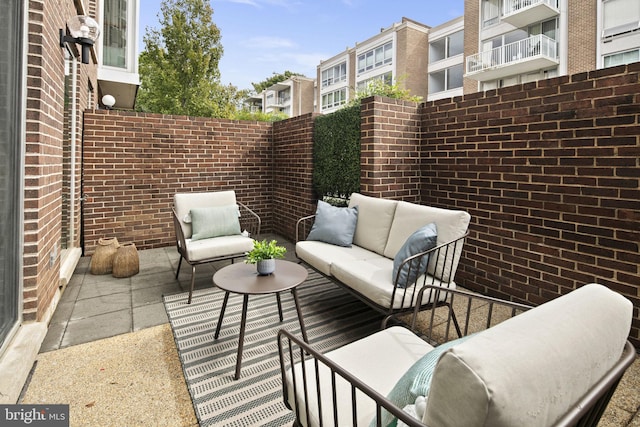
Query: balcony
[(524, 56), (521, 13)]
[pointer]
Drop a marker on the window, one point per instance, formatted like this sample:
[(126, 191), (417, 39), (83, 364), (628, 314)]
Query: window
[(447, 79), (115, 33), (490, 12), (620, 16), (622, 58), (374, 58), (10, 163), (387, 78), (334, 75), (447, 47), (334, 99)]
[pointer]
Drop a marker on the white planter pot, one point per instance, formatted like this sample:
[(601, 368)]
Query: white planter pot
[(266, 267)]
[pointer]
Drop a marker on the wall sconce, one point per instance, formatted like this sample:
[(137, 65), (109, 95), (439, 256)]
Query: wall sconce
[(84, 31), (108, 101)]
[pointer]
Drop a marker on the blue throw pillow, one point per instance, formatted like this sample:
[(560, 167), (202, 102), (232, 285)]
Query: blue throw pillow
[(334, 225), (416, 381), (421, 240), (214, 222)]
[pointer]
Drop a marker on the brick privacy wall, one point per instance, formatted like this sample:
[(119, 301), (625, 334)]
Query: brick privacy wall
[(134, 163), (390, 149), (293, 196), (550, 173), (44, 152)]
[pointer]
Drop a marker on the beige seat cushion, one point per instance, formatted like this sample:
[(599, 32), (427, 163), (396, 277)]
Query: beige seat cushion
[(528, 370), (321, 255), (220, 246), (374, 221), (391, 351), (450, 225)]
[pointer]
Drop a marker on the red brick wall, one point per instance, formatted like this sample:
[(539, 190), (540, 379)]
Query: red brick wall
[(134, 163), (550, 172), (390, 149)]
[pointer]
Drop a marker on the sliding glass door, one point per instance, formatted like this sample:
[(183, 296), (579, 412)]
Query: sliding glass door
[(11, 128)]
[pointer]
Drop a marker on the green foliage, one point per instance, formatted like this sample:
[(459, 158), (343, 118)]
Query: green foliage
[(265, 250), (259, 116), (336, 153), (275, 78), (179, 65), (382, 88)]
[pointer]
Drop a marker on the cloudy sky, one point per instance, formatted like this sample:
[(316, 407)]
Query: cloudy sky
[(262, 37)]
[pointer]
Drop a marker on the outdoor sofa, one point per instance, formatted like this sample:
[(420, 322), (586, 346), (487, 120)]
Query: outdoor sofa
[(384, 251), (554, 365)]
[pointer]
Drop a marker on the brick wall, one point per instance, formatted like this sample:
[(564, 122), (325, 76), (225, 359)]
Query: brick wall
[(550, 172), (582, 36), (390, 149), (134, 163)]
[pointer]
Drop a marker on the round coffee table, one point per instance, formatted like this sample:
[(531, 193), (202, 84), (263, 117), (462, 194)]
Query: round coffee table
[(242, 278)]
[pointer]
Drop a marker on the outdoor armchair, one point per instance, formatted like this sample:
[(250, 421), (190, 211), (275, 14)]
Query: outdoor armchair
[(212, 226)]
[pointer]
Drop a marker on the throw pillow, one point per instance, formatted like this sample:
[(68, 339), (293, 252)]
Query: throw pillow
[(416, 381), (214, 222), (334, 225), (421, 240)]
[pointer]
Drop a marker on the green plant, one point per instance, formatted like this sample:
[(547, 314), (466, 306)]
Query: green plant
[(265, 250)]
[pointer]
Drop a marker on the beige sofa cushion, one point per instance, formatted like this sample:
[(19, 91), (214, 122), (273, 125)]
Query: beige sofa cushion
[(527, 370), (396, 349), (322, 255), (221, 246), (184, 202), (374, 221), (450, 225)]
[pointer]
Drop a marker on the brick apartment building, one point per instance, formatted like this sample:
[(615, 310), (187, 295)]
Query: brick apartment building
[(46, 89)]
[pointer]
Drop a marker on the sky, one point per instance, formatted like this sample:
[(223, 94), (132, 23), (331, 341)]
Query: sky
[(262, 37)]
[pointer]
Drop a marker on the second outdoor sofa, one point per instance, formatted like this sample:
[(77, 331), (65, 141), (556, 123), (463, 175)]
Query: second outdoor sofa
[(384, 251)]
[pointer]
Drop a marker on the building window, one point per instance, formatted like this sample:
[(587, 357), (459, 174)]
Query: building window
[(490, 12), (622, 58), (115, 33), (363, 85), (620, 16), (335, 74), (374, 58), (446, 47), (447, 79), (334, 99)]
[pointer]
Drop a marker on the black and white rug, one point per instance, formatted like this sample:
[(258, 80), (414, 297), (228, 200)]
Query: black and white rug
[(332, 318)]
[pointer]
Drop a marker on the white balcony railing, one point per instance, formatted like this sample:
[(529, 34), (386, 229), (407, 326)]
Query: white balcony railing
[(513, 58), (521, 13)]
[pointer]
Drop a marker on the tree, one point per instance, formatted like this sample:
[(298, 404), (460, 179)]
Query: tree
[(179, 66), (275, 78)]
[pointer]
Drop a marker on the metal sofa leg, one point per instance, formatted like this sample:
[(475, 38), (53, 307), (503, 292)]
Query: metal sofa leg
[(193, 279), (179, 264)]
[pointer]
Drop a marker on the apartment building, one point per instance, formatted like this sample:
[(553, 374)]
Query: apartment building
[(57, 60), (518, 41), (398, 53), (293, 97), (446, 60)]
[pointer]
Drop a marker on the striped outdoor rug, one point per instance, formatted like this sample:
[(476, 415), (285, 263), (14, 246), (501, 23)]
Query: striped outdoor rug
[(332, 318)]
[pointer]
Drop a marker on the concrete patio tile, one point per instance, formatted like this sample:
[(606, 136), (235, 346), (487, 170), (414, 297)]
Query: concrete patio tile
[(149, 315), (153, 294), (90, 307), (152, 279), (93, 328), (105, 287), (53, 339)]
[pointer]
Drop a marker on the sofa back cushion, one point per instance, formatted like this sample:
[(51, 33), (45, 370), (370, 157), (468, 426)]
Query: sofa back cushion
[(530, 369), (184, 202), (450, 225), (374, 221)]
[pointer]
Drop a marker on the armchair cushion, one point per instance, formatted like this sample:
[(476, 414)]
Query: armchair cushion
[(421, 240), (334, 225), (214, 222)]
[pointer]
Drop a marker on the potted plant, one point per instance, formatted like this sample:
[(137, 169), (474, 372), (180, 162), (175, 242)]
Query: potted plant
[(264, 255)]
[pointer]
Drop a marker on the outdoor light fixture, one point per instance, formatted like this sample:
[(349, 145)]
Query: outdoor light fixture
[(84, 31), (108, 101)]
